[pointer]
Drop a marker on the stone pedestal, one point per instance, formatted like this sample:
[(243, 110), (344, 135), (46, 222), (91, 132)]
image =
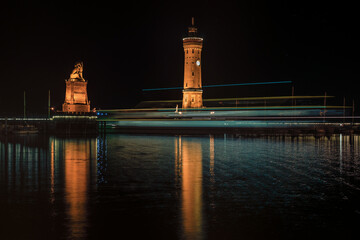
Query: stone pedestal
[(192, 98), (76, 98)]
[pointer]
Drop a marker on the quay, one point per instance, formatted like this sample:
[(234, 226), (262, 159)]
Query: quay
[(56, 125), (242, 127), (92, 124)]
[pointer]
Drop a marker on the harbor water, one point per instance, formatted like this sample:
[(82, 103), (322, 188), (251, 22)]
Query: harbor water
[(134, 186)]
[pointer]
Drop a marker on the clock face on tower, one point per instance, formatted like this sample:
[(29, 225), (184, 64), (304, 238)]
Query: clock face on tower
[(198, 63)]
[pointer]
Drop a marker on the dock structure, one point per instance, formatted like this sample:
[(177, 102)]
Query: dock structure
[(56, 125), (193, 122)]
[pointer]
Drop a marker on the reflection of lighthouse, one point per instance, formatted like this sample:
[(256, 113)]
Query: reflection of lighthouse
[(189, 163), (192, 93)]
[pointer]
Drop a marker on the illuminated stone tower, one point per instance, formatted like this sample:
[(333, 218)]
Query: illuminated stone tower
[(76, 98), (192, 93)]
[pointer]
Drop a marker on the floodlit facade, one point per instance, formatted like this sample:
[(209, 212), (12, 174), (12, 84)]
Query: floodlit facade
[(192, 93), (76, 98)]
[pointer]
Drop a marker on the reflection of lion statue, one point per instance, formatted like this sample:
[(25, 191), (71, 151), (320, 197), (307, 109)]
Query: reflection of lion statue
[(77, 72)]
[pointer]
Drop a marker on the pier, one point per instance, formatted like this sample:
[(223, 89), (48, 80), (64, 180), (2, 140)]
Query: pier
[(56, 125), (91, 124)]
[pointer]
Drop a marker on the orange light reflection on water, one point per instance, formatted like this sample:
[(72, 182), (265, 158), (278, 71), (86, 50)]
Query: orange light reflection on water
[(77, 166), (189, 160)]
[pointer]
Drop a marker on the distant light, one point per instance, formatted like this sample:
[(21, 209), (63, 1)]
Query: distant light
[(180, 113), (198, 63), (212, 112)]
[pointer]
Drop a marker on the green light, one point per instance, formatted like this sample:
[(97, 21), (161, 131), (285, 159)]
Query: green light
[(223, 85)]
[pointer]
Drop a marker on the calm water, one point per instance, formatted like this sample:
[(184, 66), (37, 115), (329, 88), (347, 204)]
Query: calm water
[(179, 187)]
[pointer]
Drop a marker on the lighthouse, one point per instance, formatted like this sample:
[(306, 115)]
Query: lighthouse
[(192, 92)]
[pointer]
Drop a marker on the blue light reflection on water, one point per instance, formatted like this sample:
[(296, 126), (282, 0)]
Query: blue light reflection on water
[(179, 187)]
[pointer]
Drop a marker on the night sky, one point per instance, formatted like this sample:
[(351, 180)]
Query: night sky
[(126, 48)]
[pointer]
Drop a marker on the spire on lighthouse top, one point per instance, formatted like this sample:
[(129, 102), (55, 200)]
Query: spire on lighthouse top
[(192, 30)]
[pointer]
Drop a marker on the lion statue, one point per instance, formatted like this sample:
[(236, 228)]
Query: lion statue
[(77, 72)]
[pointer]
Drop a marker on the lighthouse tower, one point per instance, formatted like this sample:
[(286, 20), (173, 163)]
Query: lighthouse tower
[(192, 93)]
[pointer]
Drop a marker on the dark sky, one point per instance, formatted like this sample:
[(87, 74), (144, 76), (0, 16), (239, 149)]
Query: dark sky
[(126, 48)]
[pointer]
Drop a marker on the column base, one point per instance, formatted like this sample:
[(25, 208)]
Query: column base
[(192, 98), (75, 107)]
